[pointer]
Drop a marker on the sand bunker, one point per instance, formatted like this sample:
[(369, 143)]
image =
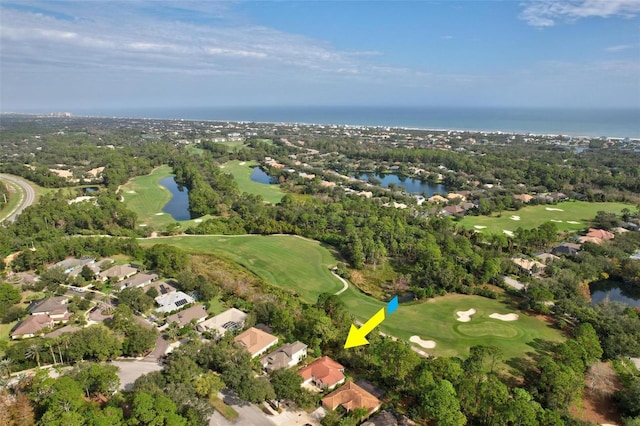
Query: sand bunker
[(509, 233), (507, 317), (553, 209), (197, 220), (159, 214), (131, 192), (479, 226), (465, 316), (556, 220), (242, 163), (573, 222), (427, 344), (514, 217), (143, 224)]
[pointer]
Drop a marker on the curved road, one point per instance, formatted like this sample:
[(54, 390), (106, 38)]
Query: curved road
[(27, 196)]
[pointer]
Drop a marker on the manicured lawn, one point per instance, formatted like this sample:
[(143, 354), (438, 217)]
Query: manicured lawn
[(241, 172), (303, 266), (290, 262), (226, 410), (5, 329), (146, 197), (562, 214), (436, 320), (215, 306)]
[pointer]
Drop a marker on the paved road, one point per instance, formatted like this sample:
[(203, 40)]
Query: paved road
[(131, 370), (27, 196)]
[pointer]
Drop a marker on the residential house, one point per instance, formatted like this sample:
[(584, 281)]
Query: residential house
[(138, 280), (525, 198), (71, 264), (54, 307), (438, 199), (600, 233), (586, 239), (453, 211), (286, 356), (32, 326), (229, 320), (387, 418), (546, 258), (173, 301), (324, 372), (63, 330), (566, 249), (255, 341), (350, 397), (529, 266), (119, 272), (455, 196), (196, 313), (162, 288)]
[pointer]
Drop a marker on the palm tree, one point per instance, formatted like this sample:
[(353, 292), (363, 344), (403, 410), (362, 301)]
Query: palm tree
[(48, 344), (172, 331), (5, 366), (33, 352), (58, 340)]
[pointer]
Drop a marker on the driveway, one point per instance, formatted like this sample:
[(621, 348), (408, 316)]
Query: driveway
[(131, 370), (249, 414)]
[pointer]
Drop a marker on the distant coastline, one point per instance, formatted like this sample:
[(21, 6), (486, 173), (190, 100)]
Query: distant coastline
[(613, 123)]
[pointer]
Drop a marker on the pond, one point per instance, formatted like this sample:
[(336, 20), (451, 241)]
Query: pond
[(258, 175), (614, 291), (410, 185), (178, 205)]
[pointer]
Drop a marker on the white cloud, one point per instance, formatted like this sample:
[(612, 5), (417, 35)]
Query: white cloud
[(621, 47), (546, 13)]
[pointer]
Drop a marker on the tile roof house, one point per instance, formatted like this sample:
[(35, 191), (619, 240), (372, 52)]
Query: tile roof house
[(55, 307), (173, 301), (120, 272), (255, 341), (387, 418), (138, 280), (324, 373), (600, 233), (285, 356), (351, 396), (453, 210), (229, 320), (529, 266), (32, 326), (437, 199), (525, 198), (195, 312)]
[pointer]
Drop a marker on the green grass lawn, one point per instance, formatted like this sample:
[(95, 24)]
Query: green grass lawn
[(436, 320), (563, 214), (241, 172), (146, 197), (5, 329), (303, 266), (286, 261)]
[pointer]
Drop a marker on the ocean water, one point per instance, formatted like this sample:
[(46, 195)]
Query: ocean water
[(619, 123)]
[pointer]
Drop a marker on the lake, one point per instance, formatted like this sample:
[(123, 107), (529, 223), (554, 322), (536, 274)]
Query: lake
[(178, 205), (614, 291), (410, 185), (258, 175)]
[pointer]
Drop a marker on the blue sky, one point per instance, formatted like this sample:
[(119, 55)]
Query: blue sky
[(70, 55)]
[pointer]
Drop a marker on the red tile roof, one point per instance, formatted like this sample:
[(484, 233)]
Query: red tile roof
[(351, 396), (324, 370)]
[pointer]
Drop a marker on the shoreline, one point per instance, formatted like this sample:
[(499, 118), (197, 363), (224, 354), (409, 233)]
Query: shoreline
[(453, 129)]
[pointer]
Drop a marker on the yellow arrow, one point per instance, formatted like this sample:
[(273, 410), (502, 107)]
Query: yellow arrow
[(357, 336)]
